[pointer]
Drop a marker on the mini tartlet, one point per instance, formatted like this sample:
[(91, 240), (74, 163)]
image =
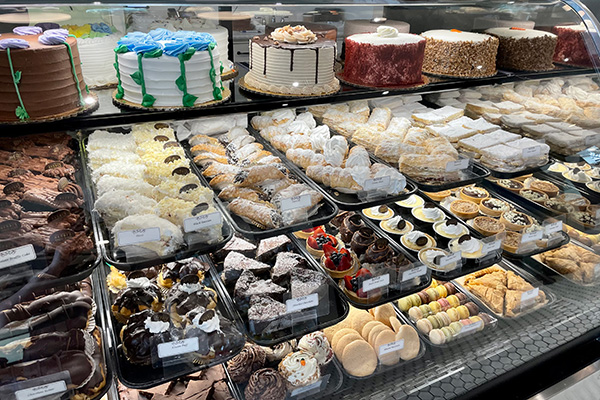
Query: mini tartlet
[(464, 209), (558, 168), (575, 200), (417, 240), (510, 184), (594, 173), (595, 186), (511, 241), (379, 212), (559, 206), (450, 229), (438, 196), (352, 286), (396, 225), (431, 257), (473, 193), (305, 233), (411, 201), (577, 175), (515, 220), (316, 241), (534, 195), (468, 246), (493, 207), (585, 218), (428, 213), (488, 226), (582, 165), (337, 263), (549, 188)]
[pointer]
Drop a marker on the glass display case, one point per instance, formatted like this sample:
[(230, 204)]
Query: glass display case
[(280, 200)]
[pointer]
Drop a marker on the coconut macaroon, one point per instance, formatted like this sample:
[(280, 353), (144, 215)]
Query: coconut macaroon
[(524, 49), (460, 54)]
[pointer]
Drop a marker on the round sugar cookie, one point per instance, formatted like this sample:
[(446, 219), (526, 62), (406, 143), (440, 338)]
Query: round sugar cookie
[(359, 359), (412, 344), (395, 323), (385, 337), (359, 320), (340, 334), (367, 328), (332, 330), (345, 341), (376, 331), (384, 312)]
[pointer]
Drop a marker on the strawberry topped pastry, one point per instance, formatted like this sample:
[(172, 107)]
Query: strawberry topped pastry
[(316, 241), (337, 262), (305, 233), (353, 287)]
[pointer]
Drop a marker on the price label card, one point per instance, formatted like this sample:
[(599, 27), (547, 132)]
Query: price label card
[(457, 165), (137, 236), (471, 327), (203, 221), (532, 236), (304, 389), (389, 347), (376, 283), (591, 139), (450, 259), (41, 391), (301, 303), (296, 202), (487, 248), (413, 273), (17, 255), (529, 295), (531, 152), (178, 347), (553, 227), (383, 182)]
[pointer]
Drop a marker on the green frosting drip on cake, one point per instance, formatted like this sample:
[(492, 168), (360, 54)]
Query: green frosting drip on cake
[(119, 50), (81, 102), (138, 77), (20, 111), (217, 91), (188, 99)]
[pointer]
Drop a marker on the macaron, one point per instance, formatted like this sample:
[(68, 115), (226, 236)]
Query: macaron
[(456, 327), (424, 326), (415, 299), (433, 294), (424, 297), (439, 320), (435, 307), (453, 300), (444, 303), (425, 309), (442, 291), (473, 309), (445, 318), (404, 304), (486, 318), (462, 298), (434, 322), (415, 314), (453, 314), (450, 288), (463, 312), (474, 319), (448, 333), (437, 336)]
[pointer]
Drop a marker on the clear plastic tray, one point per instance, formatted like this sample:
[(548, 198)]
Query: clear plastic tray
[(387, 285), (320, 309), (511, 175), (526, 297), (133, 257), (146, 376)]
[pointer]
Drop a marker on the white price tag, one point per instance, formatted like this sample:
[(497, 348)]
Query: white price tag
[(382, 182), (457, 165), (487, 248), (202, 221), (137, 236), (471, 327), (413, 273), (450, 259), (301, 303), (41, 391), (296, 202), (553, 227), (17, 255), (376, 283), (307, 388), (530, 295), (532, 236), (178, 347), (591, 139), (389, 347), (531, 152)]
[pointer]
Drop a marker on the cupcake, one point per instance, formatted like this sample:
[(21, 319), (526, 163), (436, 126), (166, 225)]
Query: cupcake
[(417, 240), (277, 352), (429, 212), (116, 280), (361, 240), (299, 369), (515, 220), (488, 226), (378, 252), (379, 212), (450, 229), (349, 225), (493, 207), (316, 241), (336, 262), (141, 294), (250, 359), (411, 201), (577, 175), (396, 225), (464, 209), (473, 193), (318, 346), (266, 383), (468, 246), (510, 184)]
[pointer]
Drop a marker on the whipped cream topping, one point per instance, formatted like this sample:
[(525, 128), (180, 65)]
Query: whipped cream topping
[(156, 326), (308, 119), (397, 180), (451, 230), (376, 213), (557, 167), (413, 236), (299, 128), (294, 34), (385, 35), (392, 223), (469, 246), (190, 288), (317, 344), (360, 174), (358, 158), (580, 27), (319, 136), (518, 33), (430, 255), (139, 283), (455, 35), (212, 325), (335, 150), (432, 213), (578, 176), (411, 201)]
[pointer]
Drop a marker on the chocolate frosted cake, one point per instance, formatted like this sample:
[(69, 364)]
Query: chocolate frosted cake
[(461, 54), (524, 49), (294, 61)]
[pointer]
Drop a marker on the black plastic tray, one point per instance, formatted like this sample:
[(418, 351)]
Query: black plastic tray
[(392, 293), (511, 175), (338, 311), (144, 377), (345, 201), (116, 258), (468, 265), (325, 213)]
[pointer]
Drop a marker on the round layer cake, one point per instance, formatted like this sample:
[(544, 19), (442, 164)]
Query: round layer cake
[(294, 61), (40, 75), (461, 54), (370, 26), (570, 47), (385, 58), (524, 49), (166, 69)]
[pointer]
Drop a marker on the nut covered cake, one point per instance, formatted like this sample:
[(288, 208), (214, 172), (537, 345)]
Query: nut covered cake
[(292, 61), (523, 49), (460, 54), (570, 48), (384, 58)]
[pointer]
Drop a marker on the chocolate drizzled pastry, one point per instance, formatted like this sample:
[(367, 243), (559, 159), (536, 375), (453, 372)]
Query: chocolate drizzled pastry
[(172, 272), (266, 384), (351, 224), (188, 295), (250, 359), (98, 379), (378, 252), (361, 240), (140, 294), (52, 199), (143, 332)]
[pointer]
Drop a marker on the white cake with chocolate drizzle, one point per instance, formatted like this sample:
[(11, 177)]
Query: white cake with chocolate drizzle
[(294, 61)]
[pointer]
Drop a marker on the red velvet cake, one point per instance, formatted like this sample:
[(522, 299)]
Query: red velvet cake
[(570, 48), (384, 59)]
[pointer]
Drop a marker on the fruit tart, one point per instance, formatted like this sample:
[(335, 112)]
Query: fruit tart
[(337, 263), (306, 233), (353, 287), (316, 241)]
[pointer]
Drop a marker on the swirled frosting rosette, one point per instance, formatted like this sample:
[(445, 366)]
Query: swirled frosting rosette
[(294, 34)]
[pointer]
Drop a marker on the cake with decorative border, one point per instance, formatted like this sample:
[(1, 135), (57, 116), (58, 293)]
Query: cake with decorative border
[(571, 48), (451, 52), (40, 75), (292, 61), (523, 49), (166, 69), (384, 59)]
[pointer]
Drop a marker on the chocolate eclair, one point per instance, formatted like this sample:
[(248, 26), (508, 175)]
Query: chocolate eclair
[(172, 272), (378, 252), (140, 294), (351, 224), (187, 295), (143, 332), (361, 240)]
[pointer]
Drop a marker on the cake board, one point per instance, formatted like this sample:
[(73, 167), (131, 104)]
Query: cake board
[(242, 84), (425, 82), (229, 75), (133, 106), (461, 77)]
